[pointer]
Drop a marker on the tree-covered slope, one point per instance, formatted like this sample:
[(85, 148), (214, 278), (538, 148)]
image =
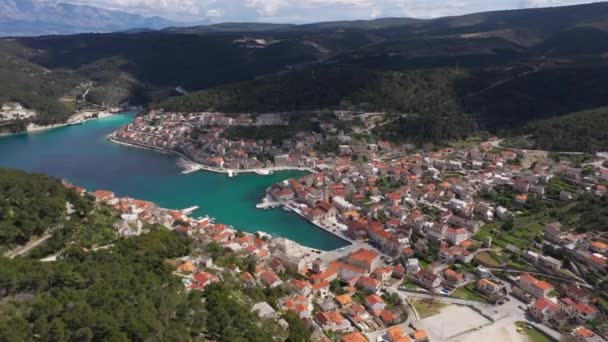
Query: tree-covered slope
[(31, 205), (582, 131)]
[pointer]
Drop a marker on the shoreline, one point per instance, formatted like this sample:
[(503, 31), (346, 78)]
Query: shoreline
[(267, 204), (200, 167), (77, 118), (337, 233)]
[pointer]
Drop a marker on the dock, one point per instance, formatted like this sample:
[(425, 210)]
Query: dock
[(190, 210)]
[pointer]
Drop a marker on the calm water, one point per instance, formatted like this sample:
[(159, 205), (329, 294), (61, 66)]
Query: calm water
[(82, 155)]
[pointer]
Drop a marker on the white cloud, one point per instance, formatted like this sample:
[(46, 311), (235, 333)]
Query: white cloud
[(214, 13), (312, 10)]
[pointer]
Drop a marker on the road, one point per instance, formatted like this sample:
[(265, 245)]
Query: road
[(28, 247)]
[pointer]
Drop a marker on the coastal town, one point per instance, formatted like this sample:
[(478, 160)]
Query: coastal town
[(459, 243)]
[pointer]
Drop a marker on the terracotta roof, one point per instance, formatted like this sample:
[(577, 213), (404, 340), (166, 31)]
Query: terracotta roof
[(396, 334), (354, 337), (364, 255), (330, 317), (420, 335), (374, 299), (369, 282), (487, 282), (583, 332), (387, 316), (320, 285), (542, 304), (543, 285), (344, 299)]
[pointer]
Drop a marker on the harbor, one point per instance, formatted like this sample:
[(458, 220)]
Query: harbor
[(92, 161)]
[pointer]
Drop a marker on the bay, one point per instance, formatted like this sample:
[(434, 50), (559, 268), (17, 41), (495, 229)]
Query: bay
[(82, 155)]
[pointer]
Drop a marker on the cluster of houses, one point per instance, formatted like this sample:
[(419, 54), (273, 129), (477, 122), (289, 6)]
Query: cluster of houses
[(133, 213), (357, 307), (575, 306), (201, 138), (590, 254)]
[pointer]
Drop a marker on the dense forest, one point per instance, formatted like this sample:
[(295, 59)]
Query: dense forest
[(34, 204), (124, 294), (582, 131)]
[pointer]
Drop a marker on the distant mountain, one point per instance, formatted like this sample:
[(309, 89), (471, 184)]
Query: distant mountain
[(321, 26), (229, 27), (34, 17)]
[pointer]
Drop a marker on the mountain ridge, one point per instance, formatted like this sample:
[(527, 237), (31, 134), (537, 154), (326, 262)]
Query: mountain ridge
[(33, 18)]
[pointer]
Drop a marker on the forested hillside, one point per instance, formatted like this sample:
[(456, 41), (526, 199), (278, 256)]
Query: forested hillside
[(32, 205), (124, 292), (581, 131), (500, 69)]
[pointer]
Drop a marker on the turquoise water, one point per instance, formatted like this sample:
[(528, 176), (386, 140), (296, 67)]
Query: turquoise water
[(82, 155)]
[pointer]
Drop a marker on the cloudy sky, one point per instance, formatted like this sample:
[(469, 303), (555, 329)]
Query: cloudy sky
[(300, 11)]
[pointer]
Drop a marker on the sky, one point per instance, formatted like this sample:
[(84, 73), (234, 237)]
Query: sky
[(303, 11)]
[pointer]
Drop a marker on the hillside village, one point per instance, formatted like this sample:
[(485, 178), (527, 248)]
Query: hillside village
[(477, 225)]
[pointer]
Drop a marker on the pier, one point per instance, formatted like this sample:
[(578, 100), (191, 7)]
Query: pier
[(190, 210)]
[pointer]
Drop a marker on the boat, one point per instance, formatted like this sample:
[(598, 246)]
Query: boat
[(286, 208), (76, 123)]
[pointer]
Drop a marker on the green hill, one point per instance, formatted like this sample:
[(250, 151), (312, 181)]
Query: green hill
[(582, 131)]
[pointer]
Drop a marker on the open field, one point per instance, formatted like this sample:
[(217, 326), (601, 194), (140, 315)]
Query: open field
[(452, 322), (427, 308)]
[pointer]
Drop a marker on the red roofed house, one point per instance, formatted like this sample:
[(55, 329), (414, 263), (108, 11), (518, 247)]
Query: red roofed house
[(202, 279), (388, 317), (599, 247), (105, 196), (585, 312), (374, 302), (300, 287), (321, 289), (298, 304), (427, 279), (488, 287), (420, 336), (584, 334), (452, 279), (457, 235), (354, 337), (369, 284), (365, 258), (383, 273), (543, 309), (270, 279), (333, 320), (396, 334), (533, 286), (577, 293)]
